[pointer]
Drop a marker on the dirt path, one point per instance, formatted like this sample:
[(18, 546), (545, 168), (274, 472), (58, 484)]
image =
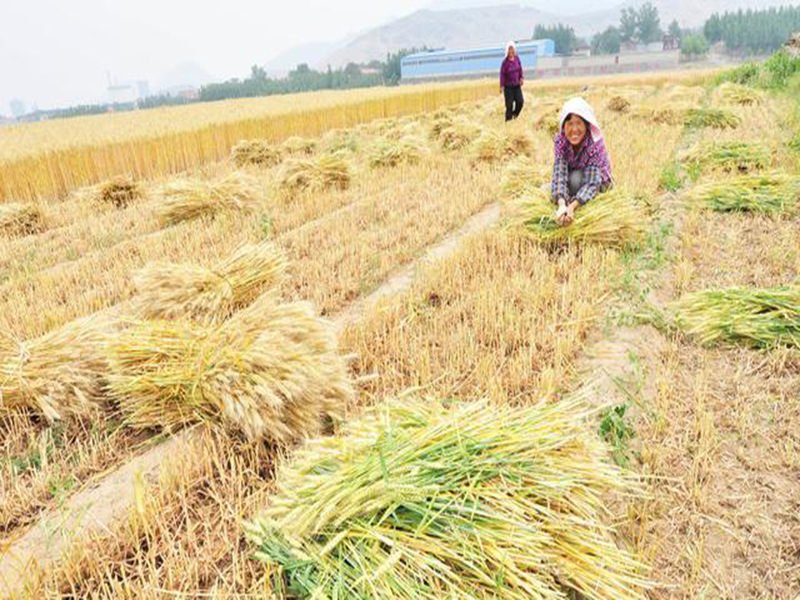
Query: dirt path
[(98, 506)]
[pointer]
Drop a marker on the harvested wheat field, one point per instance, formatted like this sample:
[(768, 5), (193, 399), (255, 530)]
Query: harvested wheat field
[(355, 356)]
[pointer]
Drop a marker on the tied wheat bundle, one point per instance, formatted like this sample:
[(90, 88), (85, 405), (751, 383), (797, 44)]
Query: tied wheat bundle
[(57, 375), (743, 95), (187, 199), (441, 121), (727, 156), (711, 117), (459, 134), (659, 115), (298, 145), (492, 146), (259, 153), (522, 176), (612, 218), (762, 318), (389, 152), (327, 171), (119, 192), (19, 219), (619, 104), (768, 192), (272, 371), (338, 141), (167, 291), (415, 501)]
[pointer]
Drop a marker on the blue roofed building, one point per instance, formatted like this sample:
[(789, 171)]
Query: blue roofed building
[(481, 62)]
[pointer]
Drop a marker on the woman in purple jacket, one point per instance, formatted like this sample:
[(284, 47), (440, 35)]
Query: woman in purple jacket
[(511, 81)]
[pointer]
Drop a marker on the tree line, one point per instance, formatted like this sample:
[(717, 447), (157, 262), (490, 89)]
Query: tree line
[(753, 31)]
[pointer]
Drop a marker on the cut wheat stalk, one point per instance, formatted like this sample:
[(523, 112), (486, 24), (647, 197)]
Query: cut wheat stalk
[(326, 171), (299, 145), (19, 219), (459, 134), (58, 375), (727, 156), (187, 199), (612, 218), (619, 104), (763, 318), (418, 501), (493, 146), (522, 176), (119, 192), (271, 371), (742, 95), (389, 152), (212, 295), (716, 118), (773, 192), (258, 153)]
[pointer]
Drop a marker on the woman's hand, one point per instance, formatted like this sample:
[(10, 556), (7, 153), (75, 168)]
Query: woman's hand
[(569, 216)]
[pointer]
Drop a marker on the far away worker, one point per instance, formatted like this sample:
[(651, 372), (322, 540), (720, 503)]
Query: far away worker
[(511, 80)]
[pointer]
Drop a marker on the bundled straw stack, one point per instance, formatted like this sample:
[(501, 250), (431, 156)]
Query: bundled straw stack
[(762, 318), (665, 116), (743, 95), (299, 145), (727, 156), (522, 176), (57, 375), (711, 117), (20, 219), (187, 199), (459, 133), (258, 153), (441, 121), (388, 152), (271, 371), (492, 146), (619, 104), (417, 502), (327, 171), (769, 192), (339, 141), (612, 218), (167, 291)]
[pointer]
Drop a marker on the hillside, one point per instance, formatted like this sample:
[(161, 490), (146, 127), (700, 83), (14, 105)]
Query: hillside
[(474, 26)]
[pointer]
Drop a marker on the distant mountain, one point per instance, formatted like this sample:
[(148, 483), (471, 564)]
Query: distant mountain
[(460, 24), (312, 54), (185, 74)]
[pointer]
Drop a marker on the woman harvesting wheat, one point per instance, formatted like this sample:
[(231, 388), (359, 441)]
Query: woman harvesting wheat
[(582, 168)]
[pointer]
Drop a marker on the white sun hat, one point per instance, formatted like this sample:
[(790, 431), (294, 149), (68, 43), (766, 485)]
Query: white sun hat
[(579, 106)]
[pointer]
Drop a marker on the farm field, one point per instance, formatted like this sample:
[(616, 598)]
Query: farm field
[(406, 234)]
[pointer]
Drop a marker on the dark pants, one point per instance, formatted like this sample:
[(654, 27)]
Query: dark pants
[(514, 101)]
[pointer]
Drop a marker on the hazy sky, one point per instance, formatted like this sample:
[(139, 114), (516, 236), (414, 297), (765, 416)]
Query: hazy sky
[(57, 52)]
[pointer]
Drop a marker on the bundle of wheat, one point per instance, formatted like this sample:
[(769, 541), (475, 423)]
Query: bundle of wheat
[(271, 371), (522, 176), (613, 218), (762, 318), (20, 219), (187, 199), (323, 172), (619, 104), (167, 291), (743, 95), (767, 192), (118, 192), (340, 141), (298, 145), (459, 134), (492, 145), (550, 122), (258, 153), (727, 156), (57, 375), (388, 152), (415, 501), (665, 116), (711, 117)]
